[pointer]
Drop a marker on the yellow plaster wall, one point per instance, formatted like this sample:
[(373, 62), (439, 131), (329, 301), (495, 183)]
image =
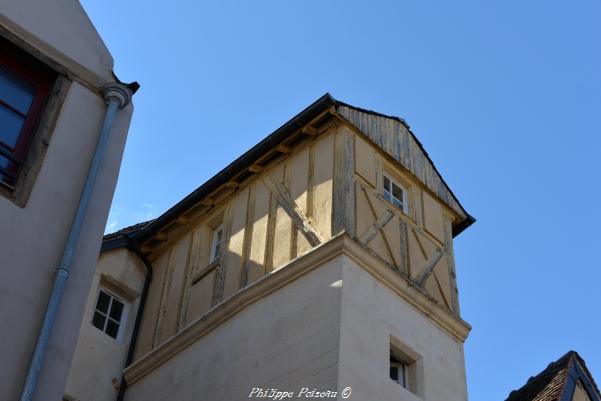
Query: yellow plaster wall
[(259, 236), (410, 238)]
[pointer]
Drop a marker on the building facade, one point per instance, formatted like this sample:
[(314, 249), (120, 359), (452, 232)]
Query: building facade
[(56, 91), (321, 259)]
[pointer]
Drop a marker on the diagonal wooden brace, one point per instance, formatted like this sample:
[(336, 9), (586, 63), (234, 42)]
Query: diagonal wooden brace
[(373, 230), (428, 268), (300, 220)]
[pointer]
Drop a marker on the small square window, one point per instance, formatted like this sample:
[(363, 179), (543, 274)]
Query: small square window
[(395, 193), (405, 367), (108, 314), (216, 244)]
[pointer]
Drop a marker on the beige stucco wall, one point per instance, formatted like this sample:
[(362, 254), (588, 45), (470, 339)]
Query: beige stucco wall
[(371, 313), (286, 340), (33, 236), (99, 359), (329, 329)]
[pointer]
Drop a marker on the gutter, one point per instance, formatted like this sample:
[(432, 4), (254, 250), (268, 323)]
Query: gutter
[(116, 96), (134, 247)]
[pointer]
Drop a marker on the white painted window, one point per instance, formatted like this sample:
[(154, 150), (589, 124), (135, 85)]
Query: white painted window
[(395, 193), (399, 371), (216, 244), (109, 313)]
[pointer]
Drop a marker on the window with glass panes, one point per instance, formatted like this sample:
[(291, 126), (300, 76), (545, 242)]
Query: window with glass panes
[(24, 87), (216, 244), (399, 371), (108, 313), (394, 193)]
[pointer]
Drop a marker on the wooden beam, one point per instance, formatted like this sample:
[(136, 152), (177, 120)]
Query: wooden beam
[(269, 243), (284, 149), (343, 218), (202, 273), (375, 217), (419, 243), (207, 201), (405, 264), (165, 290), (428, 267), (444, 298), (309, 130), (182, 305), (232, 184), (375, 228), (160, 236), (248, 234), (219, 283), (255, 168), (182, 220), (448, 250), (302, 222), (146, 249)]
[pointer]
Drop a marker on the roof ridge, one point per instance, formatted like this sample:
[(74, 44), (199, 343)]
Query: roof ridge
[(587, 372), (536, 385), (372, 112)]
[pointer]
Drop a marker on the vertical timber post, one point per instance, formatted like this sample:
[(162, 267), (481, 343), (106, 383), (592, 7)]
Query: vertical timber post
[(343, 206)]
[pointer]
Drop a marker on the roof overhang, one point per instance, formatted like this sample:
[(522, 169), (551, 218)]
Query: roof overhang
[(323, 107)]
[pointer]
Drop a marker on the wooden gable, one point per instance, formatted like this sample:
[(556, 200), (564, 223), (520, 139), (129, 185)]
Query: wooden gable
[(393, 136)]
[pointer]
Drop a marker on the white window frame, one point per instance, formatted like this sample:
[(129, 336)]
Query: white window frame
[(216, 243), (122, 323), (388, 192)]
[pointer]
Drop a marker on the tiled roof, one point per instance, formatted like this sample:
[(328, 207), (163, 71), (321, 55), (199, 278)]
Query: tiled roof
[(126, 231), (549, 384)]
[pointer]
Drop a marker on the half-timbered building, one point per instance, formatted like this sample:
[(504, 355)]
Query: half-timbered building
[(322, 258)]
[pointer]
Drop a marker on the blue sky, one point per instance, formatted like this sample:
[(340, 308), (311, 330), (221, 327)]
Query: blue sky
[(504, 95)]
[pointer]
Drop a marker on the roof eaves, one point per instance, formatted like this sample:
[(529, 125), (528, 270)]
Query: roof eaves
[(296, 123), (122, 237)]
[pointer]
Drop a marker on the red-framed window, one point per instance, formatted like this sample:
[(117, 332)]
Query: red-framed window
[(25, 84)]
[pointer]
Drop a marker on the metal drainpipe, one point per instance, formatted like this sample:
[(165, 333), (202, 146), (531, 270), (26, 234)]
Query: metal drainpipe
[(116, 96), (135, 248)]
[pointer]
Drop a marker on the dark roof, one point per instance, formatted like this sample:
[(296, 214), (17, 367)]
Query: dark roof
[(551, 383), (120, 238)]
